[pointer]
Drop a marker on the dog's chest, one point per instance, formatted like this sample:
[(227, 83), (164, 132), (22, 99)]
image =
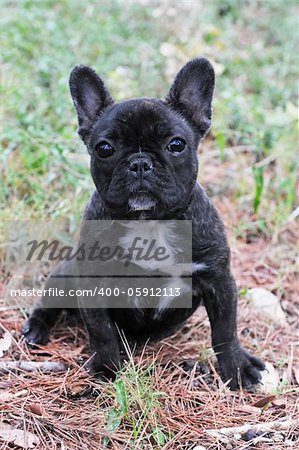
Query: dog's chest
[(163, 276), (157, 246)]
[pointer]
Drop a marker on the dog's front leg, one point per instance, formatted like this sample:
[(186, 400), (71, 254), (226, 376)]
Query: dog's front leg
[(236, 365), (103, 341)]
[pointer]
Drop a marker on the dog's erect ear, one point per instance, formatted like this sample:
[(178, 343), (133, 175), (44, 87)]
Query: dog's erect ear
[(89, 95), (192, 91)]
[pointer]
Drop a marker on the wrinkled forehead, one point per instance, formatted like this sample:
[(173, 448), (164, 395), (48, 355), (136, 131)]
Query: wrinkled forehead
[(142, 119)]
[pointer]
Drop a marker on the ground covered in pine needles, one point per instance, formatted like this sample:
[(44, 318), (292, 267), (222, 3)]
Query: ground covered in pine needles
[(169, 395)]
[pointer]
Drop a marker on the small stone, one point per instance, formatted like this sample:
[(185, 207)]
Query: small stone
[(249, 435), (269, 380), (267, 304)]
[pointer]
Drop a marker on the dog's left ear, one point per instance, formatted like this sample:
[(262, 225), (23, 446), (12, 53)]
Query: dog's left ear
[(192, 91), (90, 97)]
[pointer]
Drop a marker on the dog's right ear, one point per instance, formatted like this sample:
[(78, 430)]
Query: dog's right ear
[(90, 97)]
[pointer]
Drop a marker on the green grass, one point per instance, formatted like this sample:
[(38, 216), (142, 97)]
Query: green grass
[(141, 410), (136, 405), (137, 47)]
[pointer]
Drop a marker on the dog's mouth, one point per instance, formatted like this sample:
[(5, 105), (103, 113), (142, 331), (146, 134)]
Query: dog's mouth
[(143, 201)]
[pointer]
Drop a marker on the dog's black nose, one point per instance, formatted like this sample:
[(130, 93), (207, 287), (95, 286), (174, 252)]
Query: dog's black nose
[(141, 165)]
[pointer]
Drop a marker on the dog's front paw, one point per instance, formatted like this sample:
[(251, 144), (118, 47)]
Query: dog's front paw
[(35, 331), (104, 368), (242, 369)]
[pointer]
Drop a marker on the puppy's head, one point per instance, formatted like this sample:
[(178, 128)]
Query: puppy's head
[(144, 151)]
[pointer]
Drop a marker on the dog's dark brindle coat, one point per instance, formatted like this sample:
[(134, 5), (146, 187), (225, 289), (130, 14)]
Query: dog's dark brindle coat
[(144, 164)]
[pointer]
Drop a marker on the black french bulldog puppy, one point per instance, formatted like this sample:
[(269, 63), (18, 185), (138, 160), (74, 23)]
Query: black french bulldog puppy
[(144, 165)]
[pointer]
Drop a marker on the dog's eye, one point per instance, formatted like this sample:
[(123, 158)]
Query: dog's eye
[(104, 149), (177, 145)]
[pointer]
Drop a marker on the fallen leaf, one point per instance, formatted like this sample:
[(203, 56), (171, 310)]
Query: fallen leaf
[(5, 343), (249, 409), (22, 438), (36, 409), (10, 395), (79, 390), (264, 401)]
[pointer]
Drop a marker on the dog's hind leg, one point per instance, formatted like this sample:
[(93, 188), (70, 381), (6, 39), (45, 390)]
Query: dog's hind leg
[(37, 327)]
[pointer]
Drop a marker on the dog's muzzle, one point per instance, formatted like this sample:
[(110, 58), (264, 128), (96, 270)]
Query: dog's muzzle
[(142, 201)]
